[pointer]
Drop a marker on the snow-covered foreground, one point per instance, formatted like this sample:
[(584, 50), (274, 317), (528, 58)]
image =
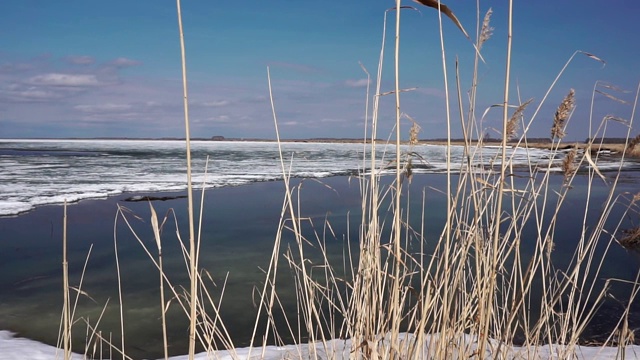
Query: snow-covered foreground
[(12, 348)]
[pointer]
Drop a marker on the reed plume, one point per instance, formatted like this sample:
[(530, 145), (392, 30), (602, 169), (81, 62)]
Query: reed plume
[(568, 164), (487, 30), (561, 115), (631, 147), (413, 133), (512, 124), (631, 239)]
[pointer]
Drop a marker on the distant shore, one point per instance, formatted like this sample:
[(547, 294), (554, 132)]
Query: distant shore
[(611, 146)]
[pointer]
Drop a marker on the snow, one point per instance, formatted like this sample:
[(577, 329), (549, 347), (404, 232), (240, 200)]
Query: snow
[(15, 348)]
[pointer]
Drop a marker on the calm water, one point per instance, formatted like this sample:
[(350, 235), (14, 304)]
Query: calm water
[(240, 223)]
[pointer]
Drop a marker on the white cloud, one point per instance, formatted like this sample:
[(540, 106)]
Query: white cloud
[(12, 68), (81, 60), (30, 94), (124, 62), (357, 83), (220, 118), (102, 108), (59, 79), (216, 103)]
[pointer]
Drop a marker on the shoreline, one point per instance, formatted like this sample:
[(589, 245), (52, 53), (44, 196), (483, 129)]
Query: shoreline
[(615, 148), (163, 195)]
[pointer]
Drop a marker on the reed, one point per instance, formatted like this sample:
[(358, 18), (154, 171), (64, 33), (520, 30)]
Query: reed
[(66, 311), (193, 260), (632, 146), (561, 115), (404, 289), (455, 292), (513, 124)]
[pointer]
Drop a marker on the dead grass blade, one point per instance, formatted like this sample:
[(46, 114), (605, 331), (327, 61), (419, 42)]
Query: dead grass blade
[(587, 155), (445, 10), (155, 227), (612, 97), (400, 91), (593, 57), (613, 87), (404, 7), (82, 292)]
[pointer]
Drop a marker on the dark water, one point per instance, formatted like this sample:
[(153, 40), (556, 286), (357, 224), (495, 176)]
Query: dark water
[(238, 231)]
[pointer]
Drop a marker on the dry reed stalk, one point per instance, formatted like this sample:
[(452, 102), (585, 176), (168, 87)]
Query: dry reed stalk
[(478, 237), (553, 84), (193, 261), (486, 299), (181, 298), (121, 305), (446, 319), (307, 297), (95, 334), (156, 234), (395, 304), (561, 115), (66, 312), (368, 283)]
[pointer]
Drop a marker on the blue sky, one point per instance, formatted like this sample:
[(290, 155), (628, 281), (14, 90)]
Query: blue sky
[(112, 68)]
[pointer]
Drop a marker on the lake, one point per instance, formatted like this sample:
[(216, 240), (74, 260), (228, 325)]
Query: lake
[(241, 213)]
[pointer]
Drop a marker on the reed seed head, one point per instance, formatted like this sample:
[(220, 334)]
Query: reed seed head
[(487, 30), (408, 170), (413, 133), (550, 245), (512, 124), (562, 114), (631, 239), (631, 147), (568, 164)]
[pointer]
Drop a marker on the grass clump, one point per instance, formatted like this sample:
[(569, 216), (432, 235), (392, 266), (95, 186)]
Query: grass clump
[(484, 281)]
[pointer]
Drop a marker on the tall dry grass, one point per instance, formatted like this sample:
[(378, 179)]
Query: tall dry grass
[(472, 289), (473, 295)]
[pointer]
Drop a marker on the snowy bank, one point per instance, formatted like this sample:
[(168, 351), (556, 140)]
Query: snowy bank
[(14, 348)]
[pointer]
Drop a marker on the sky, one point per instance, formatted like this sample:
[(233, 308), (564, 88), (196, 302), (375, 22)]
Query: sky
[(77, 68)]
